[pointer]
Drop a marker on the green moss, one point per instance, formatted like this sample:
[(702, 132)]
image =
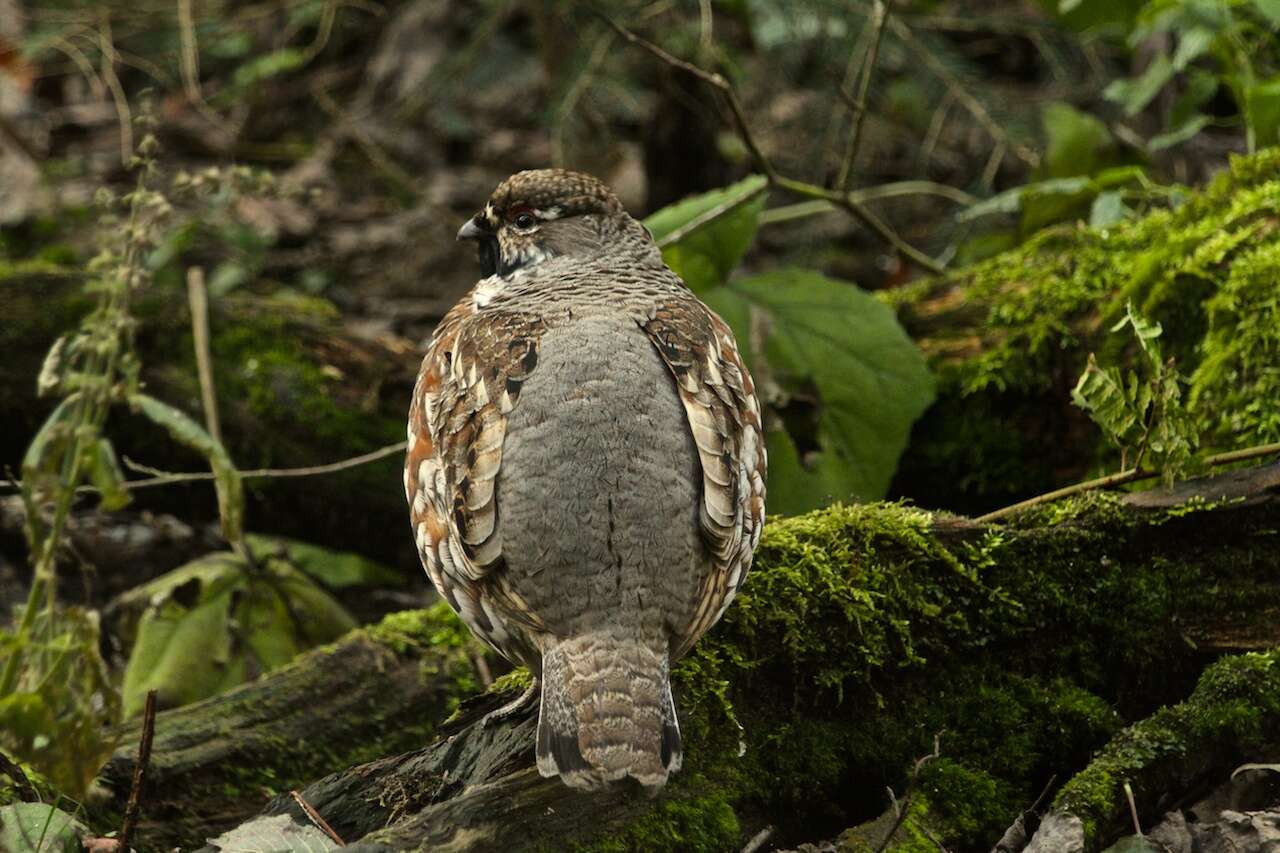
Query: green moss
[(415, 630), (1233, 711), (1025, 321), (696, 822), (862, 633)]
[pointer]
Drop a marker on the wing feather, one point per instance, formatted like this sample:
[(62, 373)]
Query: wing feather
[(469, 382), (724, 419)]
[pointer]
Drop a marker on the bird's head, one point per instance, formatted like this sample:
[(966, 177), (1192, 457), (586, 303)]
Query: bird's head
[(541, 214)]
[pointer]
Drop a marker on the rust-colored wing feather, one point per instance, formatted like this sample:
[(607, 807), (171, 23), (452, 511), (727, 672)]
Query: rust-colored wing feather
[(724, 418), (469, 382)]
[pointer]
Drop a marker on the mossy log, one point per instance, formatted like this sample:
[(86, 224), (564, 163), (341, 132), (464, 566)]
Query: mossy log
[(1172, 757), (1009, 337), (863, 632), (379, 690), (296, 387)]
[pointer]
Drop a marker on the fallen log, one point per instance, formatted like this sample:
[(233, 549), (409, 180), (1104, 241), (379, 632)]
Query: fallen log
[(863, 632), (379, 690)]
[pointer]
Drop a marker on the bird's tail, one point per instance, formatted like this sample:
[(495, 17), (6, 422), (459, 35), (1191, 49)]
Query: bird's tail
[(606, 713)]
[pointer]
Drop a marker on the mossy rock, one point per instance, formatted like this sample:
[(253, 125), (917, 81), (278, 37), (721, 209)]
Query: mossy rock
[(1009, 337)]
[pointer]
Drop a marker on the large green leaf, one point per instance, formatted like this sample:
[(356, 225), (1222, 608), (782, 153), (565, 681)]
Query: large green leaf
[(39, 828), (226, 478), (831, 340), (216, 622), (706, 255)]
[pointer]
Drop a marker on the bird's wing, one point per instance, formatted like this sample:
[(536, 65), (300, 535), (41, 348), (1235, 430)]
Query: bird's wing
[(469, 382), (724, 418)]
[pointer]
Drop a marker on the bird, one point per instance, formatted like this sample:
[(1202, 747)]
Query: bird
[(585, 471)]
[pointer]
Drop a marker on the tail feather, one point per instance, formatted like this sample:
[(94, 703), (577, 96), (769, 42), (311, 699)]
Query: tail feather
[(606, 713)]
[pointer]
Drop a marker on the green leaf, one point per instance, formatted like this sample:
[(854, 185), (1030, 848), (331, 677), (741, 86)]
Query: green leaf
[(1078, 143), (268, 65), (706, 256), (1179, 134), (1270, 10), (106, 476), (1108, 209), (226, 478), (1134, 95), (335, 569), (39, 828), (1012, 201), (1147, 332), (215, 622), (830, 340), (1262, 111), (1193, 43)]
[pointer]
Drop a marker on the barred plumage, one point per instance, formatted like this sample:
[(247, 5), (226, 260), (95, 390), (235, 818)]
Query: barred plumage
[(586, 469)]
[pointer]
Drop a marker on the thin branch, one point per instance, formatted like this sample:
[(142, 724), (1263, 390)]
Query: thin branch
[(895, 189), (841, 199), (139, 772), (199, 299), (961, 94), (166, 478), (713, 79), (189, 57), (902, 808), (865, 216), (758, 840), (118, 96), (879, 14), (1133, 810), (1119, 478), (163, 478), (315, 818)]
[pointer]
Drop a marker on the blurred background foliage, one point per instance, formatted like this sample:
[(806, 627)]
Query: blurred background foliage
[(313, 160)]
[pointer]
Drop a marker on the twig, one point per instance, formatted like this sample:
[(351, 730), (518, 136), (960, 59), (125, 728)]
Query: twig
[(199, 299), (894, 189), (1133, 809), (165, 478), (1129, 476), (26, 791), (314, 817), (961, 94), (846, 201), (879, 13), (189, 59), (709, 216), (482, 670), (139, 772), (841, 199), (757, 841), (713, 79), (123, 115), (901, 809)]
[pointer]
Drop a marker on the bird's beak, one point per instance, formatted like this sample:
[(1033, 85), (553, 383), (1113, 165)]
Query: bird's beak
[(470, 230)]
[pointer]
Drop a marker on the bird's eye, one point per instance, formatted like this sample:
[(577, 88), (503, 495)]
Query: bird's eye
[(524, 219)]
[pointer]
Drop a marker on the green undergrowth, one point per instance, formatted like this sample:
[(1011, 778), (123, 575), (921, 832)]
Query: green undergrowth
[(1231, 718), (1022, 324), (864, 631)]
